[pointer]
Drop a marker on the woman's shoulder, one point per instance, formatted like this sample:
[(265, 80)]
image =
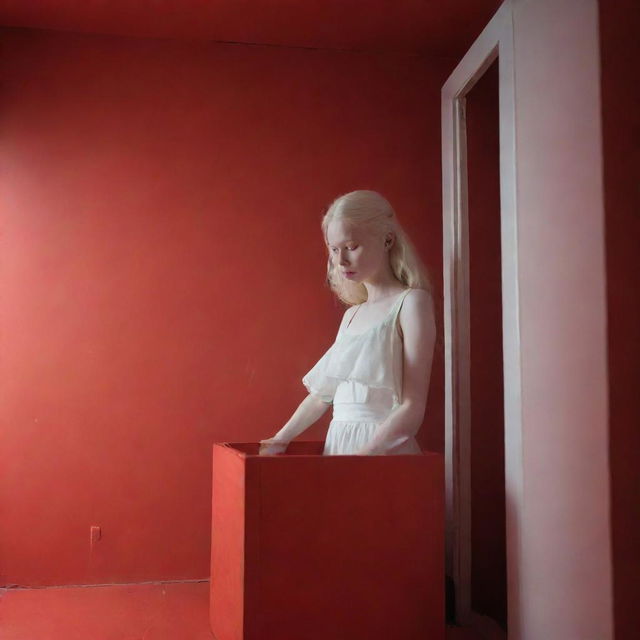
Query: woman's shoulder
[(417, 306), (417, 297)]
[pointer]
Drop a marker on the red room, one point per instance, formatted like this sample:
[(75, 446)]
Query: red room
[(164, 170)]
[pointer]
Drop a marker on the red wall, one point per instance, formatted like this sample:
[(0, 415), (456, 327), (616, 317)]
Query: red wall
[(488, 534), (162, 273), (620, 58)]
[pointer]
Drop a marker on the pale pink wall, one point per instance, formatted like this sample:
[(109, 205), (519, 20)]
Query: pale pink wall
[(565, 587)]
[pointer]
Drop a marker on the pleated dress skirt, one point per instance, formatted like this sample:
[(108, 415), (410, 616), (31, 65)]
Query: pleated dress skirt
[(358, 411)]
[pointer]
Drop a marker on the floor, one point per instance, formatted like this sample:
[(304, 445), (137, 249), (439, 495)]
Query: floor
[(147, 611)]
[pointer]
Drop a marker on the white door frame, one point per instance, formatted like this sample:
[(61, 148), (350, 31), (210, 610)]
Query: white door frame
[(496, 40)]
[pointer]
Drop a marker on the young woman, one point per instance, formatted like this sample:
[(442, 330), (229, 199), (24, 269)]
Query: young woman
[(377, 372)]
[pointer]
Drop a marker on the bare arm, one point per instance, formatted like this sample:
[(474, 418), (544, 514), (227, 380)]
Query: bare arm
[(309, 411), (417, 322)]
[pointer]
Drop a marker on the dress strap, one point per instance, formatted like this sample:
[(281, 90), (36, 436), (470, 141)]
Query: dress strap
[(398, 304)]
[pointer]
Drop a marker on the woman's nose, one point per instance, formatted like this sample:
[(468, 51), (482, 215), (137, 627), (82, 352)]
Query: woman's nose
[(343, 259)]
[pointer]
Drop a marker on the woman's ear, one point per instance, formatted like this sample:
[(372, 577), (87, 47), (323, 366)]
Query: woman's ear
[(388, 243)]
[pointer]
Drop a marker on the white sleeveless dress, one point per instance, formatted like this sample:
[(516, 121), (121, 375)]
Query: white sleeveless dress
[(361, 374)]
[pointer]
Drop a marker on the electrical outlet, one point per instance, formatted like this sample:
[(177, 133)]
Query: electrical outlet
[(96, 533)]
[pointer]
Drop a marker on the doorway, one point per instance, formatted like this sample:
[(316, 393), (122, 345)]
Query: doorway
[(482, 368), (486, 397)]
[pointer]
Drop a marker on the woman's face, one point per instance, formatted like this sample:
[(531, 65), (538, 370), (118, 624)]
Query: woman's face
[(356, 253)]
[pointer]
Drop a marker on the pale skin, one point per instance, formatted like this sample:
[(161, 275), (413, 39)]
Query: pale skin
[(361, 256)]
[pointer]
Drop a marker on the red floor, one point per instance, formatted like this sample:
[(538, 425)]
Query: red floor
[(154, 611)]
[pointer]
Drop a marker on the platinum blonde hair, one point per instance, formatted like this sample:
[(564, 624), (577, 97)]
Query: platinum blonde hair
[(373, 211)]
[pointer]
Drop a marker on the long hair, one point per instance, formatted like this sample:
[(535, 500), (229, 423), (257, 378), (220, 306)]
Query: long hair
[(372, 210)]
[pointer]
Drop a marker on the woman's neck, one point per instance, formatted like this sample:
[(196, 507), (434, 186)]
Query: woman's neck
[(379, 292)]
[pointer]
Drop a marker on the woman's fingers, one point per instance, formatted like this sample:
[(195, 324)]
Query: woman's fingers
[(269, 447)]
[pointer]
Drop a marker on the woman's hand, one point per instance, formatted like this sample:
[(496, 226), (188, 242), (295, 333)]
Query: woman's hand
[(271, 447)]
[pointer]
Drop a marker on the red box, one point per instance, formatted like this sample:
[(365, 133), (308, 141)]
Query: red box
[(310, 547)]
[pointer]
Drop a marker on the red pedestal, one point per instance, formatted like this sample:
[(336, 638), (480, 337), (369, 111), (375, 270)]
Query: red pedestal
[(310, 547)]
